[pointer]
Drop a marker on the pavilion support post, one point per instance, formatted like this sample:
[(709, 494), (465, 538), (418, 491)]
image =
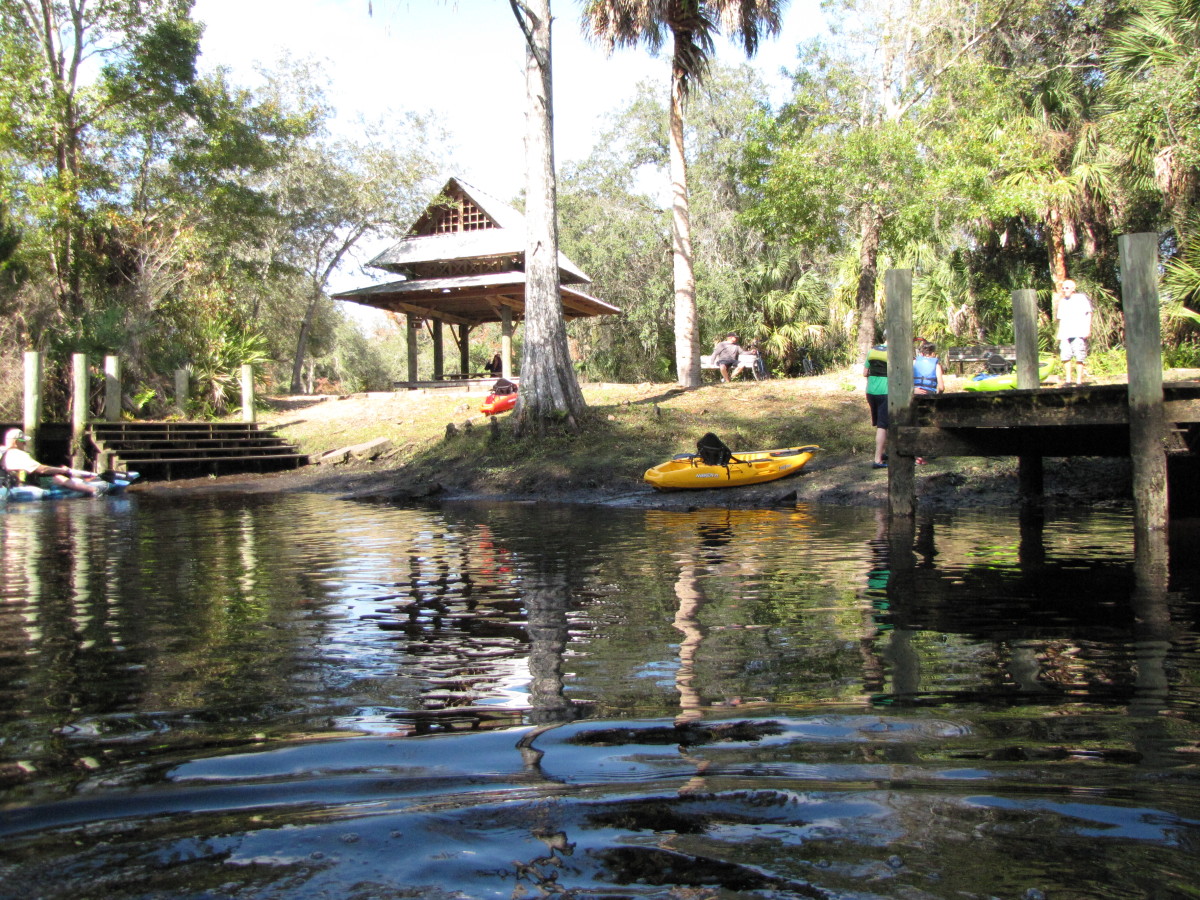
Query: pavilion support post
[(1030, 466), (902, 484), (79, 408), (1143, 351), (410, 333), (34, 367), (112, 388), (439, 355), (506, 336), (464, 348)]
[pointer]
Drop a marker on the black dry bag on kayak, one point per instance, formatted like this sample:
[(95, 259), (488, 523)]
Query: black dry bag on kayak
[(712, 451)]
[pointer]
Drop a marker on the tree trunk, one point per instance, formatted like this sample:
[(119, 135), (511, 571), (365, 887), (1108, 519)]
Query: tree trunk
[(549, 388), (302, 343), (1056, 246), (868, 257), (687, 357)]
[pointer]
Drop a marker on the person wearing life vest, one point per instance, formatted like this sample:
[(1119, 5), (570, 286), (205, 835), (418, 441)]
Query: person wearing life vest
[(875, 371), (928, 377)]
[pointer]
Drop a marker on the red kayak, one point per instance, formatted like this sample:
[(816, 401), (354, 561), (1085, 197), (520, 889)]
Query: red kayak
[(502, 398)]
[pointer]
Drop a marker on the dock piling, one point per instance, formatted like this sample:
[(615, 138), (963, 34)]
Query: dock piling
[(1143, 352)]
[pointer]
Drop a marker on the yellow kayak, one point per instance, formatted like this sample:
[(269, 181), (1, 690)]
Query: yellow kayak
[(689, 471)]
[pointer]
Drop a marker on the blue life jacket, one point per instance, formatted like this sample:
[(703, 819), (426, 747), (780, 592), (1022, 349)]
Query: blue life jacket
[(925, 373)]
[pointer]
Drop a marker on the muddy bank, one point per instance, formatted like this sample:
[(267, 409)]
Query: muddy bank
[(828, 479)]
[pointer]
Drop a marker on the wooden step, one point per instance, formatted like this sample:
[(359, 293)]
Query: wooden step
[(167, 450)]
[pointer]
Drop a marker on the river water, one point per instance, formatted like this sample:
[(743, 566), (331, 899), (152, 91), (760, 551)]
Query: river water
[(291, 696)]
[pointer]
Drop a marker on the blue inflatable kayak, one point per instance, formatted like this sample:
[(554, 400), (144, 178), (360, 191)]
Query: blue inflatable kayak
[(25, 493)]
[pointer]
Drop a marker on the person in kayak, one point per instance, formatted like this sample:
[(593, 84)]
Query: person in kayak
[(16, 462)]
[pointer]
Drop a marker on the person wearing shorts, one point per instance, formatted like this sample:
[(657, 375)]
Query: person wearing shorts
[(875, 370), (1074, 329)]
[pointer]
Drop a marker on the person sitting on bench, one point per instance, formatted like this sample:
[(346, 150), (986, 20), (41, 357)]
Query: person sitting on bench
[(725, 354)]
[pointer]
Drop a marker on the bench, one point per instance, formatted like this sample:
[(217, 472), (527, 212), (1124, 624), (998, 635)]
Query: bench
[(745, 360), (982, 353)]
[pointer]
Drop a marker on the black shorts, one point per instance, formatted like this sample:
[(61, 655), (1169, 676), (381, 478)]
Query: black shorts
[(878, 404)]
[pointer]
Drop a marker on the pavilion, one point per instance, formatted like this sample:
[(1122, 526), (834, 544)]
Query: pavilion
[(462, 264)]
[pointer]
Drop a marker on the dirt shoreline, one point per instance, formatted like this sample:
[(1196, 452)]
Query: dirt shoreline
[(829, 479), (418, 426)]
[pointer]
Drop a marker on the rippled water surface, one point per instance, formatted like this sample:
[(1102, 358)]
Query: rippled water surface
[(286, 697)]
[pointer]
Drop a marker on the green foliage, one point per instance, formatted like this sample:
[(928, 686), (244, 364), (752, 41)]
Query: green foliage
[(216, 370)]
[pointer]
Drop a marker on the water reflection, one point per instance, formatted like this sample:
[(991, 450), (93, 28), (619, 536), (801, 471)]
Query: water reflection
[(287, 696)]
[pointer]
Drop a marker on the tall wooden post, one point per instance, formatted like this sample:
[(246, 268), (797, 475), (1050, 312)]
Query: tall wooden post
[(506, 335), (902, 484), (1030, 467), (464, 348), (112, 388), (439, 355), (410, 332), (33, 396), (1143, 352), (181, 389), (79, 408), (247, 393)]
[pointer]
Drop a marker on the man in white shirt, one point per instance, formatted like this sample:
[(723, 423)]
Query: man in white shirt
[(1074, 328), (14, 459)]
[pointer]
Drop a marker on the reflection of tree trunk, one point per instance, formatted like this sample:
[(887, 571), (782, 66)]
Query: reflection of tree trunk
[(687, 360), (687, 591), (546, 608), (870, 229)]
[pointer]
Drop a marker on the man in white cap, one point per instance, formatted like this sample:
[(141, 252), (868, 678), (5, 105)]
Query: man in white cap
[(14, 459), (1074, 328)]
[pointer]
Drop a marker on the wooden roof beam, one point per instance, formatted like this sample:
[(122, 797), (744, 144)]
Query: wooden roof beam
[(426, 312)]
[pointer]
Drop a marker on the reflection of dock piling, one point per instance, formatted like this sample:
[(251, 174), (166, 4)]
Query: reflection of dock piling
[(1145, 420)]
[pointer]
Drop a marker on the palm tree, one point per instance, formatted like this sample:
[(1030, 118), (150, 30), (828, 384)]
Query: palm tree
[(692, 25)]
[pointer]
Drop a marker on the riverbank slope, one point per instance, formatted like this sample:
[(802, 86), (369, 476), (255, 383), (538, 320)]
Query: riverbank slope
[(440, 446)]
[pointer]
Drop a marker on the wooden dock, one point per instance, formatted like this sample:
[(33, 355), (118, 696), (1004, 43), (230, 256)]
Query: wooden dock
[(1044, 422), (1147, 420)]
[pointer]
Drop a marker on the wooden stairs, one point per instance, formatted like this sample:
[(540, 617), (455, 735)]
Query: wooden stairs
[(162, 451)]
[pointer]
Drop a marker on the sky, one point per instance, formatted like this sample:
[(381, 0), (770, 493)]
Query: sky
[(464, 61)]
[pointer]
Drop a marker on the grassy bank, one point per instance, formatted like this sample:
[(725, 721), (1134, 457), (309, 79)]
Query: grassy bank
[(627, 429), (440, 441)]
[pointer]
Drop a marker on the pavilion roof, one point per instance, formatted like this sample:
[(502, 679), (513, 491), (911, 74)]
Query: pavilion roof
[(463, 262), (469, 299)]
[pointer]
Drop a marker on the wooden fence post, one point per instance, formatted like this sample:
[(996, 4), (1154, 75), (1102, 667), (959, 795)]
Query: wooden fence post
[(112, 388), (1030, 466), (33, 397), (1143, 352), (181, 389), (902, 485), (247, 393), (79, 408)]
